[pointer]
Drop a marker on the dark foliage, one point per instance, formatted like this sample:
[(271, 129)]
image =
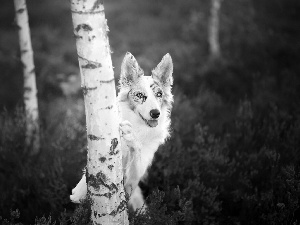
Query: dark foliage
[(249, 175), (234, 155), (37, 184)]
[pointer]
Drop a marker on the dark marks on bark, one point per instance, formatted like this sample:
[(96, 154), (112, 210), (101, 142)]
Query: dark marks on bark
[(97, 181), (94, 137), (102, 159), (21, 10), (86, 89), (32, 71), (88, 12), (89, 63), (107, 195), (121, 207), (24, 65), (77, 36), (114, 144), (108, 107), (24, 51), (110, 167), (97, 4), (101, 180), (27, 89), (106, 81), (84, 27), (96, 214)]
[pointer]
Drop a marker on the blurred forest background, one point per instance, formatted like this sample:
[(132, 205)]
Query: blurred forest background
[(234, 155)]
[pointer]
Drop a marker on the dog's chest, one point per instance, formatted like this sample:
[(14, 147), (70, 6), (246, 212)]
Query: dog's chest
[(149, 139)]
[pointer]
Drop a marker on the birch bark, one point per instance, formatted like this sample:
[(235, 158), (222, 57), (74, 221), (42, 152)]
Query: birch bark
[(213, 29), (104, 161), (30, 90)]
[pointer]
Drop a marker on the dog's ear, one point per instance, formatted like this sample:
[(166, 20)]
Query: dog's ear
[(130, 70), (163, 71)]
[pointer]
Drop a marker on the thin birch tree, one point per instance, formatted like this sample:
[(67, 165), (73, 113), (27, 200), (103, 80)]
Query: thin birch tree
[(213, 30), (104, 157), (30, 90)]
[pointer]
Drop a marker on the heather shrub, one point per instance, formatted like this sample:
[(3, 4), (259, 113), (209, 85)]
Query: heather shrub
[(249, 175), (38, 184), (233, 156)]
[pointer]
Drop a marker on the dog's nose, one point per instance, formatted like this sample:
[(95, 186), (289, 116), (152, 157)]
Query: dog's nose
[(154, 113)]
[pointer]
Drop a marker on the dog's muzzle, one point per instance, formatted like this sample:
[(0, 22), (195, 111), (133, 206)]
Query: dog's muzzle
[(150, 123)]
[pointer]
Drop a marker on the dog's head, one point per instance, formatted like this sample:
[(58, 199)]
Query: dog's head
[(148, 95)]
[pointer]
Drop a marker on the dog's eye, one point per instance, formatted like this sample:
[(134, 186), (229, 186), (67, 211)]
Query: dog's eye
[(139, 95), (159, 94)]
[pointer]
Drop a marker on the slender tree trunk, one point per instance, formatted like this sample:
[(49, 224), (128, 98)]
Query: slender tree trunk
[(104, 161), (30, 90), (213, 30)]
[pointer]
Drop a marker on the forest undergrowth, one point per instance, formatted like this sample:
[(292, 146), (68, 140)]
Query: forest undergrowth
[(233, 156)]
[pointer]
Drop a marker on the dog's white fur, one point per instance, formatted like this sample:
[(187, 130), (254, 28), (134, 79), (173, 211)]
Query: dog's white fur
[(141, 134)]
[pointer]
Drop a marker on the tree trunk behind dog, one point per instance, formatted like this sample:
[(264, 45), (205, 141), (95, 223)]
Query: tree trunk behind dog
[(213, 30), (30, 90), (104, 159)]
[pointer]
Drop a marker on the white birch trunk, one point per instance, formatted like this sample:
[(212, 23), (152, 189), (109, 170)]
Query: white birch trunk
[(213, 29), (30, 90), (104, 161)]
